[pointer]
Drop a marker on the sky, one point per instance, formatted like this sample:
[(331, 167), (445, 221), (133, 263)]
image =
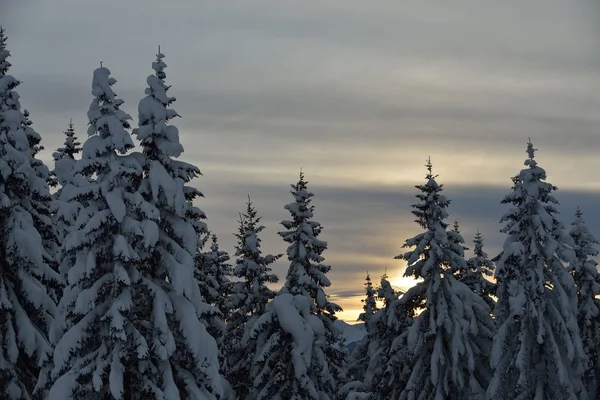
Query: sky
[(357, 94)]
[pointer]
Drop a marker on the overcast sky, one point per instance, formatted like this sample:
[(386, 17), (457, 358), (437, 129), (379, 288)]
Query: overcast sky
[(356, 93)]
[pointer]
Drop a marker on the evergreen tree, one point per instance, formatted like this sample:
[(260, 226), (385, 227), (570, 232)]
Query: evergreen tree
[(587, 282), (359, 359), (187, 364), (478, 267), (132, 306), (27, 280), (64, 164), (249, 299), (299, 353), (370, 361), (369, 302), (64, 158), (450, 339), (213, 272), (538, 352)]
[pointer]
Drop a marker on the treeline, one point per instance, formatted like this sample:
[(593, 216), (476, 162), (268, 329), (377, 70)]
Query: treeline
[(113, 287)]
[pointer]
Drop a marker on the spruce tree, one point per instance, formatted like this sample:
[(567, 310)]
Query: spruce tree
[(64, 158), (249, 299), (299, 353), (359, 359), (132, 306), (213, 272), (27, 279), (186, 362), (478, 268), (537, 352), (450, 339), (61, 176), (371, 360), (369, 302), (587, 282)]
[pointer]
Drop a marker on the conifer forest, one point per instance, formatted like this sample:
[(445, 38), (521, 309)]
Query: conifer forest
[(113, 287)]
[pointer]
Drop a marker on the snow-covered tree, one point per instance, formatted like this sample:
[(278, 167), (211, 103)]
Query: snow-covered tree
[(249, 299), (537, 352), (449, 341), (190, 361), (370, 361), (132, 308), (369, 302), (359, 359), (61, 176), (299, 353), (26, 277), (213, 272), (478, 268), (64, 158), (587, 281)]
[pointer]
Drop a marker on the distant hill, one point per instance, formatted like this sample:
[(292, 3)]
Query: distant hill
[(353, 333)]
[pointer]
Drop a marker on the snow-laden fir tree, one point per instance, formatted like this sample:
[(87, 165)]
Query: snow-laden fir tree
[(587, 282), (370, 361), (42, 204), (369, 302), (213, 272), (450, 340), (132, 306), (61, 176), (478, 268), (249, 299), (100, 343), (187, 356), (537, 352), (299, 353), (26, 277), (64, 158), (359, 359)]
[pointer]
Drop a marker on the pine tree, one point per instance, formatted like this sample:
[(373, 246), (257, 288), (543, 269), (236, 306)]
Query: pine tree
[(370, 302), (300, 354), (538, 352), (371, 360), (64, 164), (359, 359), (64, 158), (213, 274), (450, 339), (26, 277), (478, 267), (132, 304), (587, 281), (187, 364), (249, 298)]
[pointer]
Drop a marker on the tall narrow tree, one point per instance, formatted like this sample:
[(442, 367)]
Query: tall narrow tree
[(187, 358), (538, 352), (213, 271), (450, 340), (64, 158), (478, 268), (359, 359), (61, 176), (299, 352), (249, 299), (26, 277), (587, 282)]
